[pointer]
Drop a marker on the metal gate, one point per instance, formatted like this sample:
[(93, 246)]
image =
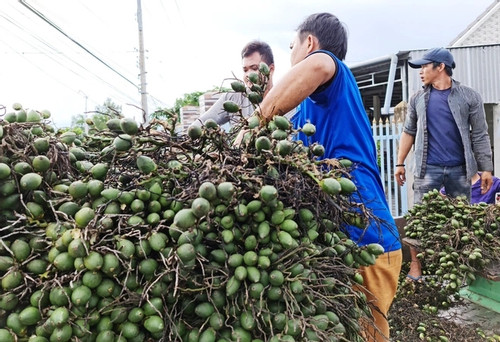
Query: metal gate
[(386, 134)]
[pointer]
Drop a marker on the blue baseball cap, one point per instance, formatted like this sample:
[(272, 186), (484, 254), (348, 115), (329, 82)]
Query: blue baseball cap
[(438, 55)]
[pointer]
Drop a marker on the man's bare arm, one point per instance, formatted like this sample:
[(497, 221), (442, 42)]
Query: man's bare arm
[(405, 144), (297, 84)]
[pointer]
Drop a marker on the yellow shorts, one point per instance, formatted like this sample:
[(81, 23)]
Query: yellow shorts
[(380, 285)]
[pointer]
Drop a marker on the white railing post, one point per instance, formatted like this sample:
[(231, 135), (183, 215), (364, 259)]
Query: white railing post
[(386, 136)]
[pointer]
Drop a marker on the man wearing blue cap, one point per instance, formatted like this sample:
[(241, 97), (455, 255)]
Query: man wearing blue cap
[(447, 125)]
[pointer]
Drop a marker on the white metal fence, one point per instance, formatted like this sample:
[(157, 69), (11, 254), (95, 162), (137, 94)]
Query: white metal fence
[(386, 135)]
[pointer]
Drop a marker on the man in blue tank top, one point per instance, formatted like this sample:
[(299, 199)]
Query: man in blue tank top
[(326, 94)]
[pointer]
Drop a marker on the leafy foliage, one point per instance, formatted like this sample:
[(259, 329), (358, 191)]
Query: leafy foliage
[(188, 99), (103, 113)]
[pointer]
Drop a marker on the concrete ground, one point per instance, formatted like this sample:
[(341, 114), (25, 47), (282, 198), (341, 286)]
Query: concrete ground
[(472, 313)]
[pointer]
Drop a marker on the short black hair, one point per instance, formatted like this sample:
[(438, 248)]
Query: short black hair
[(331, 33), (447, 69), (259, 46)]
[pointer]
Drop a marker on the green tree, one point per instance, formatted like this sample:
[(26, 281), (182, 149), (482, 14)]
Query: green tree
[(189, 99), (99, 116), (104, 112), (170, 117), (78, 121)]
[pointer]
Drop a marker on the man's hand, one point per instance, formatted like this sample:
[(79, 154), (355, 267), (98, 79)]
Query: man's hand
[(486, 182), (400, 175), (239, 138)]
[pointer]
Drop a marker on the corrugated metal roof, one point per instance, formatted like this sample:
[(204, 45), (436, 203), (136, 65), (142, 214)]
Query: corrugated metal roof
[(477, 67)]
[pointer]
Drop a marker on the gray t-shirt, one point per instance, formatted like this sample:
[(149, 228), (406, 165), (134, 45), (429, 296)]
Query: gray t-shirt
[(217, 112), (225, 119)]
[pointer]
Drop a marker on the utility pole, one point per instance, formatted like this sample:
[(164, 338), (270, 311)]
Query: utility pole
[(142, 66), (85, 112)]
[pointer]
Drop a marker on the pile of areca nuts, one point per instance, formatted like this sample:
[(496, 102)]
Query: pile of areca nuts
[(457, 244), (135, 234), (458, 241)]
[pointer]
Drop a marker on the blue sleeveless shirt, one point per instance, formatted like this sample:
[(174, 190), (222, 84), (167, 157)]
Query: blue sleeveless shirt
[(342, 127)]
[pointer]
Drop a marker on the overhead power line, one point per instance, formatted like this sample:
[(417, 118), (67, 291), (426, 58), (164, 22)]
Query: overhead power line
[(52, 54), (60, 30), (48, 21)]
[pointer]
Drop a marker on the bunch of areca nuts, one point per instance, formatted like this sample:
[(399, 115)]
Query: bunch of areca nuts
[(136, 234)]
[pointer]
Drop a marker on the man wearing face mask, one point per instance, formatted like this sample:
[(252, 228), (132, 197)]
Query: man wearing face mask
[(252, 55), (327, 95)]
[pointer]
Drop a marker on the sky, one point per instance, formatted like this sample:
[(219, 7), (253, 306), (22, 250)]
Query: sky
[(91, 50)]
